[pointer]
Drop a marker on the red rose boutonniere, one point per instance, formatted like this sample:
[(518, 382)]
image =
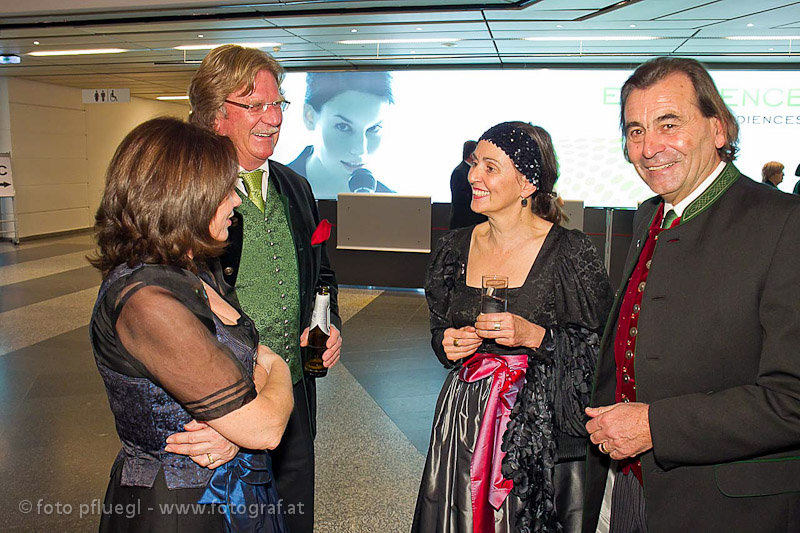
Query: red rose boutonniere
[(322, 233)]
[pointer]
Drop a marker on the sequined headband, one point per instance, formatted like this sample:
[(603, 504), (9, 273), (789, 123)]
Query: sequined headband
[(520, 147)]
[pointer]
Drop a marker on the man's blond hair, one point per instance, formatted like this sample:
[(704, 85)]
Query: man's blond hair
[(227, 69)]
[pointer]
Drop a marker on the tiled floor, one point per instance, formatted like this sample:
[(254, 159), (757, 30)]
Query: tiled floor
[(57, 437)]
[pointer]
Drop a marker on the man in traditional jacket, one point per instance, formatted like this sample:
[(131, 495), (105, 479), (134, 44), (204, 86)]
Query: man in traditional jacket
[(695, 417), (276, 256)]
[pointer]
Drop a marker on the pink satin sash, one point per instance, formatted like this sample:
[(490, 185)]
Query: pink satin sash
[(489, 487)]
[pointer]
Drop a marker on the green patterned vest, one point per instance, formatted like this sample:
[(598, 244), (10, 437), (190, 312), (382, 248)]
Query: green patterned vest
[(267, 283)]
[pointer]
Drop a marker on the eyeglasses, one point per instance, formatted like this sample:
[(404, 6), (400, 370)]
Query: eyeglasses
[(261, 108)]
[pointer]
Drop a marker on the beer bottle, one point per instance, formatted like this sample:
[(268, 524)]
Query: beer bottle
[(318, 333)]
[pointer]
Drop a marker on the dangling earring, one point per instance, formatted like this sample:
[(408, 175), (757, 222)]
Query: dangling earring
[(524, 202)]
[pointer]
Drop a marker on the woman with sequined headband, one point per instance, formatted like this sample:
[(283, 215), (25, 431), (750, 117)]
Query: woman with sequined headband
[(490, 467)]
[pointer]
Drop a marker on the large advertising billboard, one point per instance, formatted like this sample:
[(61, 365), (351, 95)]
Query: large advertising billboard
[(403, 131)]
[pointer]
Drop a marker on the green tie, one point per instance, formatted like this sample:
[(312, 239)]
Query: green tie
[(669, 218), (252, 182)]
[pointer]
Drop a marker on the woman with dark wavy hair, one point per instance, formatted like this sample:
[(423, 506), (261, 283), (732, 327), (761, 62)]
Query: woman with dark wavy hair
[(491, 468), (174, 349)]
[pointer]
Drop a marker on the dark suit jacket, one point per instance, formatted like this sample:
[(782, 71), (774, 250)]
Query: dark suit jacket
[(313, 265), (718, 360), (461, 214)]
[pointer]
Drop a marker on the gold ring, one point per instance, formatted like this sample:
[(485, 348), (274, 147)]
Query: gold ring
[(602, 447), (497, 326), (455, 342), (210, 459)]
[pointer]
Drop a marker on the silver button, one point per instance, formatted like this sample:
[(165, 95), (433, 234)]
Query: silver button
[(636, 308), (284, 308), (283, 295), (280, 282), (625, 400), (228, 271), (277, 269), (626, 378), (287, 346), (285, 321), (269, 230), (286, 334), (272, 244), (275, 257), (628, 354), (286, 358), (634, 331)]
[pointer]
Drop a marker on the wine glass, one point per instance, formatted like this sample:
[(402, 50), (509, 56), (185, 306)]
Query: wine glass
[(494, 294)]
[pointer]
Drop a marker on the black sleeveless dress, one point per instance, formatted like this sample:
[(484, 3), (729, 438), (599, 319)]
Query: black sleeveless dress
[(188, 365)]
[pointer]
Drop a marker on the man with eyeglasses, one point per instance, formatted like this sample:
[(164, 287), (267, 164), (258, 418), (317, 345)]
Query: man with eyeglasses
[(273, 258)]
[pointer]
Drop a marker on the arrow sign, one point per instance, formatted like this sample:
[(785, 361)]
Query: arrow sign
[(7, 183)]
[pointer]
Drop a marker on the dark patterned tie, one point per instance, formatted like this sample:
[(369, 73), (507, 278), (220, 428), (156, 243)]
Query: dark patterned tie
[(252, 182), (669, 218)]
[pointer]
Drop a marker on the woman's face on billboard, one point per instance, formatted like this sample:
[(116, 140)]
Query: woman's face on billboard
[(347, 130)]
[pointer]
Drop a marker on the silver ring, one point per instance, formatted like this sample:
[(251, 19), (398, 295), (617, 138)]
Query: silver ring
[(497, 326), (210, 459)]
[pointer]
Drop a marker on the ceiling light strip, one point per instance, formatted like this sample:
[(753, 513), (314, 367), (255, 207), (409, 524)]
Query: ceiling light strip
[(599, 38), (78, 52), (764, 38), (211, 46), (396, 41)]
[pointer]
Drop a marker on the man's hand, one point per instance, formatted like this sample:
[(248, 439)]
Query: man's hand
[(334, 346), (621, 430), (202, 444)]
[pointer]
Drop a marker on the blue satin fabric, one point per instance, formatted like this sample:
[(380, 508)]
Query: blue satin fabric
[(245, 488)]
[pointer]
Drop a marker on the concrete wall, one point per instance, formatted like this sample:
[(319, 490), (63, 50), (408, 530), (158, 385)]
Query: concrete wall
[(60, 148)]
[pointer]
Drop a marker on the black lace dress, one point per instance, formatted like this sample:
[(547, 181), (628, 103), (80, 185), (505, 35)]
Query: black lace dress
[(566, 292)]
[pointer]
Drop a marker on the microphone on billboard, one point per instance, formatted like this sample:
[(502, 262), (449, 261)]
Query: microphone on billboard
[(362, 180)]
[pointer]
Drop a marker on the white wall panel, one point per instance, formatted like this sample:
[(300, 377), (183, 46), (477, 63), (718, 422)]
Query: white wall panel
[(44, 222), (51, 198)]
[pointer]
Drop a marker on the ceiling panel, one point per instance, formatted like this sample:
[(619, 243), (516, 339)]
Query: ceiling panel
[(309, 33), (734, 9)]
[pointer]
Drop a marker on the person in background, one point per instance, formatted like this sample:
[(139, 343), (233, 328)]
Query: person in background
[(537, 357), (796, 189), (173, 351), (772, 174), (345, 111), (276, 256), (695, 414), (461, 215)]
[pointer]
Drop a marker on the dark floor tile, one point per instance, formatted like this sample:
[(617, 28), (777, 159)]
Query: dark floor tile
[(386, 385), (381, 363), (37, 290), (41, 423), (48, 524), (66, 384), (68, 352), (76, 471), (41, 252), (14, 386), (403, 405), (418, 431)]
